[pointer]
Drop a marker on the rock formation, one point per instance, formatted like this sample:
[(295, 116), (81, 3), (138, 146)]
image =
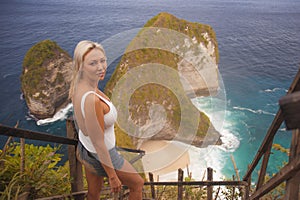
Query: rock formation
[(168, 62), (46, 77)]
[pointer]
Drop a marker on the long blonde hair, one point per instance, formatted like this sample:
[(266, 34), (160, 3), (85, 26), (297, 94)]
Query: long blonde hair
[(81, 50)]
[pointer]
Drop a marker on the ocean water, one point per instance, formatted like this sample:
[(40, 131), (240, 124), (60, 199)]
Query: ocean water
[(259, 47)]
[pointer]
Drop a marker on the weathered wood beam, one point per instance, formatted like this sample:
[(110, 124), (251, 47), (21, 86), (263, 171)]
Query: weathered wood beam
[(264, 165), (180, 188), (151, 185), (200, 183), (267, 140), (292, 185), (27, 134), (209, 188), (287, 172), (74, 164), (295, 86), (290, 106)]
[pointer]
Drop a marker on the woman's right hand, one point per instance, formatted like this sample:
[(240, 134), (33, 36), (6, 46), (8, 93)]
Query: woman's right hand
[(115, 184)]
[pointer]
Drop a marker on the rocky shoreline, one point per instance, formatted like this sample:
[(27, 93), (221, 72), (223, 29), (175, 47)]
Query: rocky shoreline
[(46, 77)]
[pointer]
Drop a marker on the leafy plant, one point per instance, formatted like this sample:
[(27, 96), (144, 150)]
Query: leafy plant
[(41, 177)]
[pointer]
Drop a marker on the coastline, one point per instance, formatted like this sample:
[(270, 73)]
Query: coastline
[(163, 157)]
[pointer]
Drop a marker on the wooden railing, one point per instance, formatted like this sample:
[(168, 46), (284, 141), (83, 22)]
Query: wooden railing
[(291, 171), (199, 185), (77, 190)]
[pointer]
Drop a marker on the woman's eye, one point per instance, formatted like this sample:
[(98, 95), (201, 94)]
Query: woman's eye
[(93, 63), (102, 61)]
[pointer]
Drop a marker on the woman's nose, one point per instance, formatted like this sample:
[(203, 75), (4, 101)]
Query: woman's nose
[(101, 66)]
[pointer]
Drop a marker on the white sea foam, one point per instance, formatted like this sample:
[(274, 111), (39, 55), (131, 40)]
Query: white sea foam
[(21, 96), (272, 104), (274, 90), (29, 117), (215, 109), (283, 129), (60, 115), (213, 156), (200, 160), (6, 75), (230, 142), (259, 111)]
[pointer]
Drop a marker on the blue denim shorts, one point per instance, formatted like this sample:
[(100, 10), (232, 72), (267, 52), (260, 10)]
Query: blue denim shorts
[(91, 161)]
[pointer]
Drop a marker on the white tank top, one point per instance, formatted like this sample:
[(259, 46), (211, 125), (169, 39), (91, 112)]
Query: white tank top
[(109, 121)]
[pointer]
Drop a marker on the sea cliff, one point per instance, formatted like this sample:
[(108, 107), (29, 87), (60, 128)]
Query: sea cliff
[(169, 62), (46, 78)]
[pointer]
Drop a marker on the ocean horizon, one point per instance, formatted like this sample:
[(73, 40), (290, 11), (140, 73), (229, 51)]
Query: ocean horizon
[(259, 50)]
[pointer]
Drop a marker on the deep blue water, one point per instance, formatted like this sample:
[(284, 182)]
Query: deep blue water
[(259, 47)]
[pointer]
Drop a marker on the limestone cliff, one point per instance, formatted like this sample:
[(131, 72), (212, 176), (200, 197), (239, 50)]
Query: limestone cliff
[(46, 78), (168, 62)]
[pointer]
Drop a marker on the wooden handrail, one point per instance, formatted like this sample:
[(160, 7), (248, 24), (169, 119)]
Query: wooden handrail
[(27, 134), (267, 140), (295, 86), (285, 173), (199, 183)]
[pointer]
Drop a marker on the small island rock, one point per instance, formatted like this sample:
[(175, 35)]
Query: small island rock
[(46, 77)]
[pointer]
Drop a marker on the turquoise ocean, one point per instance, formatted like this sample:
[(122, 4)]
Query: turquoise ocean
[(259, 47)]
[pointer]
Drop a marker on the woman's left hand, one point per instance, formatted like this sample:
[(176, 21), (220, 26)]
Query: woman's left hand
[(115, 184)]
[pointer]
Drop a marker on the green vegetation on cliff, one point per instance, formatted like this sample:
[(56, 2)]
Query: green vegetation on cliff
[(166, 20), (34, 61), (158, 94)]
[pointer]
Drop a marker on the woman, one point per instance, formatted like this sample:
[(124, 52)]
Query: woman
[(95, 116)]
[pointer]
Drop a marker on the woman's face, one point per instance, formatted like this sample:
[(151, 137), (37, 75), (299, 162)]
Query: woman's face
[(94, 65)]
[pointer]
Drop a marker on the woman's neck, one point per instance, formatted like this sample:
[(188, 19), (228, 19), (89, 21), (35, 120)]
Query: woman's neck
[(89, 83)]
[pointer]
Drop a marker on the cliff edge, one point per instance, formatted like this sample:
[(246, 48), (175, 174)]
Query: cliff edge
[(169, 61)]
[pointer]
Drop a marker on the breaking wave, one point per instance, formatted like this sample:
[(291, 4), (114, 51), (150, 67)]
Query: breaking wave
[(62, 114), (259, 111), (274, 90)]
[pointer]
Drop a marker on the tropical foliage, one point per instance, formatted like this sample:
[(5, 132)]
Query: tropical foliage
[(41, 176)]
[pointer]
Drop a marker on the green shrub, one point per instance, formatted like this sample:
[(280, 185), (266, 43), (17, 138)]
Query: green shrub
[(41, 177)]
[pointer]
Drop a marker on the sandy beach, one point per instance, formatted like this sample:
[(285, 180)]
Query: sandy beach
[(163, 157)]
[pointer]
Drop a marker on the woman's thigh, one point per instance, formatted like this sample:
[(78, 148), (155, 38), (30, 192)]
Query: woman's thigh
[(94, 181), (129, 176)]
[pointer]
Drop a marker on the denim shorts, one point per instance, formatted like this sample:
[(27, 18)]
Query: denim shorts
[(91, 161)]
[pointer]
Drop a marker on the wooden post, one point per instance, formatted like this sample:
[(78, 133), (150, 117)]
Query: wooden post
[(75, 165), (248, 187), (22, 154), (292, 185), (151, 185), (235, 167), (264, 165), (180, 188), (209, 188), (233, 188)]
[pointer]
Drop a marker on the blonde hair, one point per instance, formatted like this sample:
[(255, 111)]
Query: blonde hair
[(81, 50)]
